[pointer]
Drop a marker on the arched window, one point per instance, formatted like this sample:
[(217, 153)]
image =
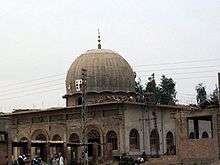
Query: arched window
[(154, 142), (74, 138), (134, 139), (41, 137), (191, 135), (205, 135), (170, 144), (112, 138), (56, 138)]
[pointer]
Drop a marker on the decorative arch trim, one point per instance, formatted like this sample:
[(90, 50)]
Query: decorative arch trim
[(38, 132)]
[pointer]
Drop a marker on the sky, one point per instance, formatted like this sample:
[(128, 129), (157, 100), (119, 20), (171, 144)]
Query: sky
[(40, 39)]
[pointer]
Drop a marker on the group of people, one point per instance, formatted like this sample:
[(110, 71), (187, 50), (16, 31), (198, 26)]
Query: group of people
[(20, 160), (57, 159)]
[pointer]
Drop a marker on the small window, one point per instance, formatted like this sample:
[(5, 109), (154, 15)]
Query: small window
[(2, 137), (199, 126)]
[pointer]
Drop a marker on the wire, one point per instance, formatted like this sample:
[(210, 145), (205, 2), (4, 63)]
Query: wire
[(9, 98), (27, 86), (29, 89), (195, 67), (179, 73), (32, 80), (180, 62), (185, 78), (55, 75)]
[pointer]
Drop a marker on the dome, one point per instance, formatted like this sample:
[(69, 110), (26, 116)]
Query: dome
[(106, 71)]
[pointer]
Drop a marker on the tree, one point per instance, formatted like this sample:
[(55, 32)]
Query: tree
[(214, 97), (166, 91), (139, 87), (152, 88), (151, 84), (201, 96)]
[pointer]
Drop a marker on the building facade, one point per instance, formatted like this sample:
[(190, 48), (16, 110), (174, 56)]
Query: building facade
[(118, 120)]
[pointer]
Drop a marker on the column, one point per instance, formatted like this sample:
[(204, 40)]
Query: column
[(65, 152)]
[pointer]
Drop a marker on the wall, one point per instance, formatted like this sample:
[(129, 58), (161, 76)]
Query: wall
[(194, 150), (141, 118)]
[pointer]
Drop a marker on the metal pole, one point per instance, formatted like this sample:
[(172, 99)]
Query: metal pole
[(84, 117)]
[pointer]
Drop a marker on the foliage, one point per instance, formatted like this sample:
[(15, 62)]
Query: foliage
[(139, 87), (214, 97), (164, 93), (201, 96), (151, 84), (167, 91)]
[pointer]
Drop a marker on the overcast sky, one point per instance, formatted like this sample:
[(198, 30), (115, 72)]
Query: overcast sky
[(39, 39)]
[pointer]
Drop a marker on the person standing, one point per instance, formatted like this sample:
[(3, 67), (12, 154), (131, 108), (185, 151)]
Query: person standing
[(20, 160), (61, 159)]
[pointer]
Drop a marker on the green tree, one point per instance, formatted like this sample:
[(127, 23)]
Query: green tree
[(138, 87), (152, 88), (151, 84), (214, 96), (166, 92), (201, 96)]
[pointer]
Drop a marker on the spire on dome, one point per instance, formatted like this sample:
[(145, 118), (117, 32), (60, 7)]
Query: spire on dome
[(99, 40)]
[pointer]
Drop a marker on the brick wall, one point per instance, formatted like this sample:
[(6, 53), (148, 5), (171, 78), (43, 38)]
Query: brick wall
[(3, 153), (192, 149)]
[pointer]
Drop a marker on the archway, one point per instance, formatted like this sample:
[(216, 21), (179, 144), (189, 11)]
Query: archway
[(56, 138), (112, 138), (170, 144), (74, 138), (73, 153), (23, 146), (154, 143), (41, 137), (56, 145), (93, 137), (39, 144), (134, 141)]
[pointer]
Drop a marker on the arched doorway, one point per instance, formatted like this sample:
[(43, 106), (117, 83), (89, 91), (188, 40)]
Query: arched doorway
[(134, 141), (56, 144), (73, 151), (170, 144), (93, 137), (112, 138), (39, 144), (154, 143), (23, 146)]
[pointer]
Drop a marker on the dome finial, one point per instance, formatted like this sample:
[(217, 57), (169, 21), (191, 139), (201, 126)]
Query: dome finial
[(99, 40)]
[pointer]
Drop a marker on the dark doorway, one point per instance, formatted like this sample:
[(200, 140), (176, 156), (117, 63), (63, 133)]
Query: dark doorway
[(154, 143), (73, 144), (93, 137)]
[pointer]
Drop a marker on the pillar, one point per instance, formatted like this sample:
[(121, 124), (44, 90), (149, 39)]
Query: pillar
[(48, 151), (95, 152), (65, 152)]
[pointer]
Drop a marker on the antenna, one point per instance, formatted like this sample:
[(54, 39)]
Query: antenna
[(99, 40)]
